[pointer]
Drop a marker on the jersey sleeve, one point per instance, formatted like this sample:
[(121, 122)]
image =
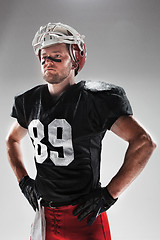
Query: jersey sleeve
[(109, 103), (18, 111), (117, 105)]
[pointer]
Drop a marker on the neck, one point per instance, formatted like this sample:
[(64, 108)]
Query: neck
[(57, 89)]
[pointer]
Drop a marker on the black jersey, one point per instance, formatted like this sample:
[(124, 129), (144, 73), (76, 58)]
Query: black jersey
[(66, 132)]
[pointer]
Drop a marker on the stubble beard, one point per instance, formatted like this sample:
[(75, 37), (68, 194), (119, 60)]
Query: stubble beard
[(54, 78)]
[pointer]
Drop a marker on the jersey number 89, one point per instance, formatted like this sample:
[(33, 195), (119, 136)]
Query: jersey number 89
[(59, 136)]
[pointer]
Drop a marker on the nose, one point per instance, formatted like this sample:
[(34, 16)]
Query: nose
[(48, 60)]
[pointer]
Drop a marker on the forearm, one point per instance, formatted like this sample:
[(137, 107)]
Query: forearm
[(136, 157), (15, 158)]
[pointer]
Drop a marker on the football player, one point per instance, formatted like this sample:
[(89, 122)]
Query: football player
[(66, 122)]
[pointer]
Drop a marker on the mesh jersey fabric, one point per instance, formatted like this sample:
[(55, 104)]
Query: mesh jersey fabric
[(67, 132)]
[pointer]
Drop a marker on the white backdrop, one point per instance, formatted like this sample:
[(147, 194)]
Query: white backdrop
[(122, 38)]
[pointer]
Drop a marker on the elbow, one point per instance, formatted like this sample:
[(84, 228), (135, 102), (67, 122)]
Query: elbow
[(153, 145), (147, 142), (9, 140)]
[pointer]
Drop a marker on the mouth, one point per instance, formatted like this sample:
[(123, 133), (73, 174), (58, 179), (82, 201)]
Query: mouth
[(49, 69)]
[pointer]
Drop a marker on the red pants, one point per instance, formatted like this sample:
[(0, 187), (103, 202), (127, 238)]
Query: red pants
[(62, 225)]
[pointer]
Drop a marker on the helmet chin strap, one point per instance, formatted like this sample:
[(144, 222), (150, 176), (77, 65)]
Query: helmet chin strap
[(52, 59)]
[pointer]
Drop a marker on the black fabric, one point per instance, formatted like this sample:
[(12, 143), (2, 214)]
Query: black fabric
[(87, 115)]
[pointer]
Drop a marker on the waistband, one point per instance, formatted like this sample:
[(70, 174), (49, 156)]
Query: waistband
[(52, 204)]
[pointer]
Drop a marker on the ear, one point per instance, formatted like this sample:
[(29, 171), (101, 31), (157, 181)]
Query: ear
[(39, 55), (74, 65)]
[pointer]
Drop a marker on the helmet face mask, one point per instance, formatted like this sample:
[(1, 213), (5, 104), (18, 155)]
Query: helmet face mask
[(54, 33)]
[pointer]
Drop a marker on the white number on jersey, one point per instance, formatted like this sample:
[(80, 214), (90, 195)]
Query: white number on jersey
[(59, 136)]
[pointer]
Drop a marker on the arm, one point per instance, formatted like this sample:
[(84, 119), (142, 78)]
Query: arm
[(26, 184), (13, 139), (139, 151), (137, 155)]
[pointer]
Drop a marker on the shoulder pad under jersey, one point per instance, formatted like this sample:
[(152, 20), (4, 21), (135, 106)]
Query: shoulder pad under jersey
[(102, 86)]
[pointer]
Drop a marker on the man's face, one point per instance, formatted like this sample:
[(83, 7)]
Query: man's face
[(56, 72)]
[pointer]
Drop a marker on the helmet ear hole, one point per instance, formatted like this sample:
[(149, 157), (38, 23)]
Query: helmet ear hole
[(82, 53)]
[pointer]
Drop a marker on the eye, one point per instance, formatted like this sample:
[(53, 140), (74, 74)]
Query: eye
[(57, 55)]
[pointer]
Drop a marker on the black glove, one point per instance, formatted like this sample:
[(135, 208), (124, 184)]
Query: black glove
[(96, 202), (27, 186)]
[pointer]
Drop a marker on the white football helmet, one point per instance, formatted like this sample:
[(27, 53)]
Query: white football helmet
[(54, 33)]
